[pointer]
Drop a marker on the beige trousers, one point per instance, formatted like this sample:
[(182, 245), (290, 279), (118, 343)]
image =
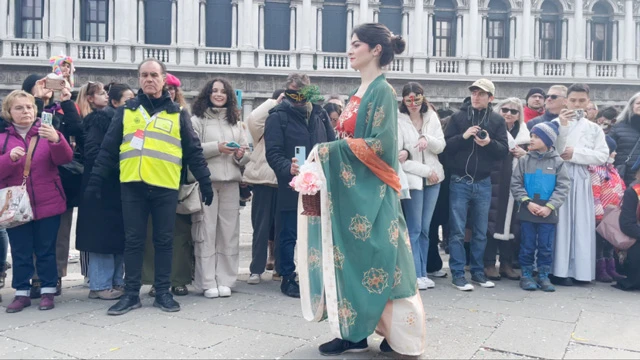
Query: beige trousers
[(216, 238)]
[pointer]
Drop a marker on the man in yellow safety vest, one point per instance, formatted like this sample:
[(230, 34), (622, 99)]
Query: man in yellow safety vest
[(150, 138)]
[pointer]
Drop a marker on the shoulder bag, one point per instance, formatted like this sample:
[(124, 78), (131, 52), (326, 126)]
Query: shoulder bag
[(609, 227), (15, 204), (189, 200), (622, 168)]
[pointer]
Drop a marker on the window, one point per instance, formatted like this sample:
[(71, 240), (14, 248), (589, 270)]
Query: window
[(95, 19), (498, 30), (602, 32), (444, 29), (277, 17), (550, 31), (157, 22), (391, 15), (219, 18), (334, 26), (29, 19)]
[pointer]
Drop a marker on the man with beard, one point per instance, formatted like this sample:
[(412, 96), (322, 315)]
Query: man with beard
[(535, 104)]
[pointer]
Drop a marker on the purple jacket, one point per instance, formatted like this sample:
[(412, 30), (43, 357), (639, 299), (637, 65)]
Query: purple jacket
[(44, 185)]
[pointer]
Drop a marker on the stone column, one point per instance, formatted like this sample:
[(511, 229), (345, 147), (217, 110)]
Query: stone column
[(405, 26), (580, 65), (484, 50), (174, 22), (349, 25), (375, 16), (629, 41), (124, 33), (261, 28), (140, 21), (418, 28), (319, 31), (45, 19), (525, 35), (112, 24), (306, 56), (187, 37), (247, 108), (473, 45), (588, 50), (72, 31), (247, 55), (512, 37), (429, 32), (202, 15), (11, 20), (614, 41), (364, 11), (564, 48), (458, 36), (234, 23), (536, 38)]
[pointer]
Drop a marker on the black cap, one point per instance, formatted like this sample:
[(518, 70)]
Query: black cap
[(30, 82), (535, 91)]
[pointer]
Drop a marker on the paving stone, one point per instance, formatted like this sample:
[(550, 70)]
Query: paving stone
[(553, 309), (281, 305), (175, 330), (150, 349), (584, 351), (13, 349), (272, 323), (448, 338), (612, 330), (32, 315), (197, 307), (463, 317), (531, 337), (241, 347), (486, 353), (310, 351), (70, 338)]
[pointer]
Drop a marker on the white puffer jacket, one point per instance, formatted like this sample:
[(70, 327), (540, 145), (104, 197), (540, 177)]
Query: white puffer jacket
[(258, 171), (419, 165), (214, 129)]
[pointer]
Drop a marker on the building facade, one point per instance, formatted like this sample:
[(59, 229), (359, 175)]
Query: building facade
[(256, 43)]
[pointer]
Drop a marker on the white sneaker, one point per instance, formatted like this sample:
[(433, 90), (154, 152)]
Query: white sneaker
[(438, 274), (422, 285), (254, 279), (430, 284), (211, 293), (224, 291)]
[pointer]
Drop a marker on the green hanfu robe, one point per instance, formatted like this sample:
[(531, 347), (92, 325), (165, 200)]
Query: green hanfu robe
[(355, 262)]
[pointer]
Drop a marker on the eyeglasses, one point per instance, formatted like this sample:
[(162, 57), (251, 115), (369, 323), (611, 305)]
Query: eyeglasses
[(552, 97), (512, 111)]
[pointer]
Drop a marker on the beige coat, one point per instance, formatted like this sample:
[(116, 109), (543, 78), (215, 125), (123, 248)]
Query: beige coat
[(420, 164), (212, 130), (258, 171)]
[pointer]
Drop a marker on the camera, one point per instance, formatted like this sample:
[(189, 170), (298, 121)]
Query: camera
[(482, 134)]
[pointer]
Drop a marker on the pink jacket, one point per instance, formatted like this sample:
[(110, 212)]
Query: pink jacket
[(44, 185)]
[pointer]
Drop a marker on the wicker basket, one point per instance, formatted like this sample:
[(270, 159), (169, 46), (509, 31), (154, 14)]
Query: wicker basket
[(311, 205)]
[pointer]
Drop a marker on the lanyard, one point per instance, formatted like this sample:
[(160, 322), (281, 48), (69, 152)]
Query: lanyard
[(145, 115)]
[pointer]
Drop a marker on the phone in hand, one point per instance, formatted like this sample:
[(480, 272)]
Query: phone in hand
[(54, 83), (578, 114), (301, 154), (46, 118), (233, 144)]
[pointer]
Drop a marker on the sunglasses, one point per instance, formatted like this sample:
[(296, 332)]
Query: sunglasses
[(512, 111), (552, 97)]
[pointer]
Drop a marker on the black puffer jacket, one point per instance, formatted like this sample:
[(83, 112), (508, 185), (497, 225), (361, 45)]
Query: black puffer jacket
[(626, 134)]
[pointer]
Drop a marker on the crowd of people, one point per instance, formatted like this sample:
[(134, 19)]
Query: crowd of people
[(511, 191)]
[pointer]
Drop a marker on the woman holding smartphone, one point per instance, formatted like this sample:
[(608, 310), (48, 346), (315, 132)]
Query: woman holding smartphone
[(216, 229)]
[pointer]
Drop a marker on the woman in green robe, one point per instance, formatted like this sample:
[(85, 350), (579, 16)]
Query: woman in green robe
[(356, 267)]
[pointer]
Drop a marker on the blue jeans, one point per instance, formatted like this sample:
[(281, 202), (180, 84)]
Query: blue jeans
[(34, 238), (418, 212), (106, 271), (540, 237), (4, 245), (288, 239), (473, 198)]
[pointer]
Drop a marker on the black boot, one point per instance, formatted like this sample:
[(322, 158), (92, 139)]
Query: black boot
[(339, 346), (125, 304), (556, 280), (289, 286), (59, 287), (166, 303), (35, 289)]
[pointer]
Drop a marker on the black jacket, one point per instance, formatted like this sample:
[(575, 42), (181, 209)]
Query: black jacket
[(109, 157), (100, 228), (286, 127), (465, 157), (626, 133), (546, 117)]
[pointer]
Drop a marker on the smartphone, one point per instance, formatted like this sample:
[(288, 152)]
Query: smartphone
[(54, 84), (233, 144), (46, 118), (301, 154), (578, 114)]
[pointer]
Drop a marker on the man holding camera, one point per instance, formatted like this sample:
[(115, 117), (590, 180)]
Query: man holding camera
[(476, 140), (580, 143)]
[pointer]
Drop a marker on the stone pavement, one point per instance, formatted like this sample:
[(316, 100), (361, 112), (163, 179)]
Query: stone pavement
[(592, 321)]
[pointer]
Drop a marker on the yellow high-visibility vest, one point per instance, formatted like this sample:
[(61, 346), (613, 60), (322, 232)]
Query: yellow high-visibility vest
[(159, 161)]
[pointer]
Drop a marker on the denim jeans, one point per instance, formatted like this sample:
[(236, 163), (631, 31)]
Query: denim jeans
[(106, 271), (540, 237), (288, 238), (34, 238), (418, 212), (4, 246), (474, 199), (140, 200)]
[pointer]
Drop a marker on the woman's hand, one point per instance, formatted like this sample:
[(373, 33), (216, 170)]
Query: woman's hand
[(239, 153), (518, 152), (16, 153), (433, 178), (422, 143), (403, 155), (224, 149), (49, 133), (41, 92), (65, 94)]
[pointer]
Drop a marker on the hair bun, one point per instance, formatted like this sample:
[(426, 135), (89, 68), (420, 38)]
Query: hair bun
[(398, 44)]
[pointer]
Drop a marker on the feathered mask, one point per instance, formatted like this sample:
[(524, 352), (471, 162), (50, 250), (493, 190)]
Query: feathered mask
[(56, 62)]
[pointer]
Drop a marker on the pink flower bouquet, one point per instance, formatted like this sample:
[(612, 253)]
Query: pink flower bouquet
[(307, 182)]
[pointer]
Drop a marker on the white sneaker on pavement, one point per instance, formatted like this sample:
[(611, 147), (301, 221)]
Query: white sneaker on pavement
[(422, 285), (224, 291), (429, 282), (438, 274), (211, 293), (254, 279)]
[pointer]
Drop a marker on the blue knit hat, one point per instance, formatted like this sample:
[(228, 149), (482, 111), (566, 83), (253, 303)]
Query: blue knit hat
[(547, 132)]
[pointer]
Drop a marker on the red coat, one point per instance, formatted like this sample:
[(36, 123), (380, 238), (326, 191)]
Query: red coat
[(530, 113), (44, 185)]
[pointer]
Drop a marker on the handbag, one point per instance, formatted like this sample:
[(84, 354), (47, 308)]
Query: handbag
[(525, 215), (189, 201), (15, 204), (622, 168), (609, 229)]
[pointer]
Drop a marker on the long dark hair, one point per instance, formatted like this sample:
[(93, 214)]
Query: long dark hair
[(203, 101), (116, 91), (413, 87), (374, 34)]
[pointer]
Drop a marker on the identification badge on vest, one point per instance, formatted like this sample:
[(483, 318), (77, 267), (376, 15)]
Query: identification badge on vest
[(138, 140), (163, 124)]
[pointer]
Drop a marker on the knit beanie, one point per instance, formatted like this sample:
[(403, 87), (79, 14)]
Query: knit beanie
[(535, 91), (547, 132), (30, 82), (611, 144)]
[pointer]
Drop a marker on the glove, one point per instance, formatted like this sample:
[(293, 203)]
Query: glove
[(94, 188), (206, 190)]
